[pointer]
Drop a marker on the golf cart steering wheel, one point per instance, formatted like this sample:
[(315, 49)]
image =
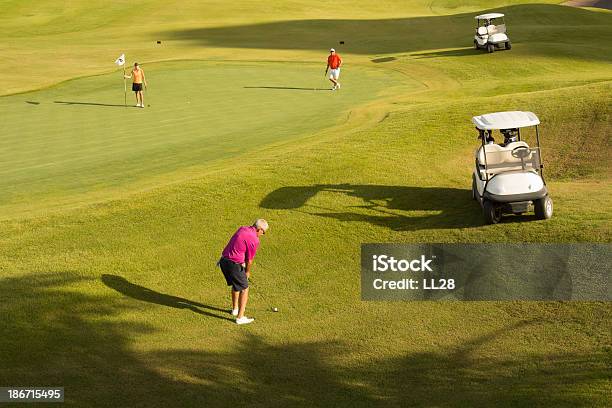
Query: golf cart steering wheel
[(520, 152)]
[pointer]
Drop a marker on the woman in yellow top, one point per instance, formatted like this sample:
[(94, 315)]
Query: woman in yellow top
[(138, 80)]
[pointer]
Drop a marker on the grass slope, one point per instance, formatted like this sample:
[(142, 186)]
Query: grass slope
[(125, 291), (84, 38)]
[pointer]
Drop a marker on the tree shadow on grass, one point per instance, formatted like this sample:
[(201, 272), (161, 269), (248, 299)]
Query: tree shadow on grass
[(400, 208), (57, 331), (413, 34), (141, 293), (306, 374), (465, 376)]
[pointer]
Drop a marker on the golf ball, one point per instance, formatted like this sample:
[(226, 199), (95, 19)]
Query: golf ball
[(275, 309)]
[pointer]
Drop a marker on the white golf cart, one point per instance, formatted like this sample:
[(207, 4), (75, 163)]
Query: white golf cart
[(491, 32), (507, 177)]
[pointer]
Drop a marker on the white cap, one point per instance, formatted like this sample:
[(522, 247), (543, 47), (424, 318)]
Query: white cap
[(332, 50)]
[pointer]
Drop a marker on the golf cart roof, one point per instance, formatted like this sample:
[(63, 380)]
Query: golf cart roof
[(505, 120), (488, 16)]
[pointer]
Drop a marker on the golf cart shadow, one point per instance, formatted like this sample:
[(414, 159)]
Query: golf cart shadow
[(449, 53), (400, 208), (141, 293)]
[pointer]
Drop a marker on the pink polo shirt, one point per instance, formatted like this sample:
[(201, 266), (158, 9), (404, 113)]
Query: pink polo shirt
[(242, 246)]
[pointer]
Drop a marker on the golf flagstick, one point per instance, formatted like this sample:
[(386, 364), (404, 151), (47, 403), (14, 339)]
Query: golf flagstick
[(121, 62), (124, 88)]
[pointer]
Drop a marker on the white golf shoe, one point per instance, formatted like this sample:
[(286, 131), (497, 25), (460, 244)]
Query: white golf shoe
[(244, 320), (234, 312)]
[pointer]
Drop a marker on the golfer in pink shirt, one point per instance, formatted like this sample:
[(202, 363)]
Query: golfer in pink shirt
[(236, 263)]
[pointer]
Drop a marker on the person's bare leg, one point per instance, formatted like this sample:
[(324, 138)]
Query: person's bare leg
[(141, 98), (242, 302), (136, 94), (235, 296)]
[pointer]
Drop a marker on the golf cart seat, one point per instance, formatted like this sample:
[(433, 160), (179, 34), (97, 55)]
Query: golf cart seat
[(482, 31), (514, 145), (496, 29), (493, 154), (500, 158)]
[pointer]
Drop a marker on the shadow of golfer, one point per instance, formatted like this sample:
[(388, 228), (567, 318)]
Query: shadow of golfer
[(141, 293), (92, 104), (287, 88)]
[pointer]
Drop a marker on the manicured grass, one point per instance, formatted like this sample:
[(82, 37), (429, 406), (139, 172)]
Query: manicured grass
[(112, 219), (80, 141)]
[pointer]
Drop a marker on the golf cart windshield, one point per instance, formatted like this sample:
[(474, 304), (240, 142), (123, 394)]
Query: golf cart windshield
[(490, 24), (516, 156), (506, 150), (493, 21), (503, 137)]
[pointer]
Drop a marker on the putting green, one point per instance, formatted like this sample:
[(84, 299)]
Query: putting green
[(78, 138), (120, 301)]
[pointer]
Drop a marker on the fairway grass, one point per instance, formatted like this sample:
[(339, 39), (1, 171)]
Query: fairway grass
[(112, 218)]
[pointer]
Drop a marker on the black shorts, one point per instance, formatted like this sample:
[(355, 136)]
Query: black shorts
[(235, 275), (136, 87)]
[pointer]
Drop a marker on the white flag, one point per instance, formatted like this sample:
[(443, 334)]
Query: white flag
[(121, 60)]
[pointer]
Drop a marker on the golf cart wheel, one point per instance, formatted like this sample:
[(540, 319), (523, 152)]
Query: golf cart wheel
[(490, 48), (474, 189), (492, 213), (508, 45), (543, 208)]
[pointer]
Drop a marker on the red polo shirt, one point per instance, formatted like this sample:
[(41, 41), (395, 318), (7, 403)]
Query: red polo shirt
[(334, 61)]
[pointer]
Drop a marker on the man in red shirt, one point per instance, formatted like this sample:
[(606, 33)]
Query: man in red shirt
[(236, 263), (333, 64)]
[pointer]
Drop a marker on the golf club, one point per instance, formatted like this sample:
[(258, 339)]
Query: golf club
[(263, 297)]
